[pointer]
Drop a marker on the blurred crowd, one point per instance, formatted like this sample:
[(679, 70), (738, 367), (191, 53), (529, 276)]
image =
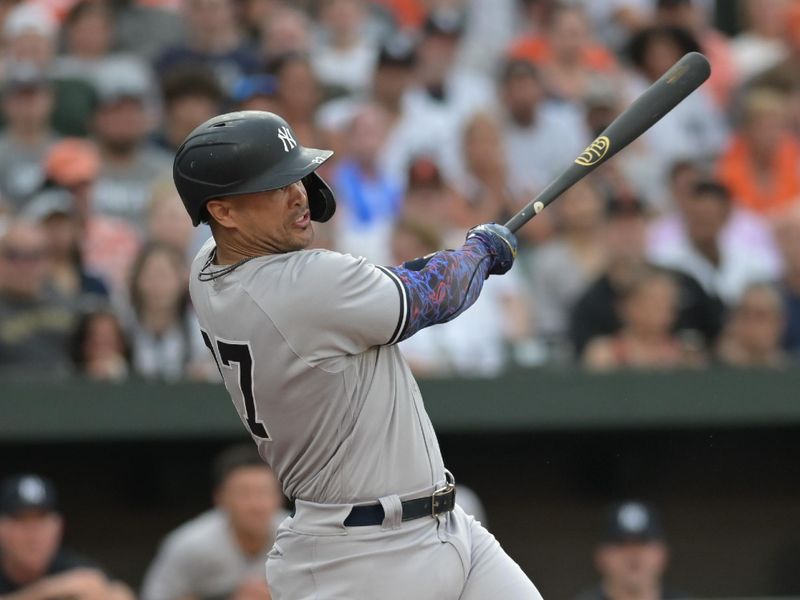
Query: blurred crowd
[(684, 251)]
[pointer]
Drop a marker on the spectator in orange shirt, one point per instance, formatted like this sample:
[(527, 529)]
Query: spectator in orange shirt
[(761, 165), (566, 53)]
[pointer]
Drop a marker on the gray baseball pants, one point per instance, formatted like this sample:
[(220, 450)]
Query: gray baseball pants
[(450, 557)]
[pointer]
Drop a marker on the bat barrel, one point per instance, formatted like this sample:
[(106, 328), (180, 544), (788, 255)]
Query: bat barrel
[(674, 86)]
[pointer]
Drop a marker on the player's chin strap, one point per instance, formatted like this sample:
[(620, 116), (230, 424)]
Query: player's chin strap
[(207, 274)]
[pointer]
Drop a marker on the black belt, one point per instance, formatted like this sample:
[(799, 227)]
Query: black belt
[(441, 501)]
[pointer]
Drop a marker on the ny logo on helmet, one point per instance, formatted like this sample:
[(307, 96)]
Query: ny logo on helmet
[(285, 136)]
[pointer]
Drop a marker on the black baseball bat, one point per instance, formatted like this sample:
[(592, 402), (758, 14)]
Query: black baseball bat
[(684, 77)]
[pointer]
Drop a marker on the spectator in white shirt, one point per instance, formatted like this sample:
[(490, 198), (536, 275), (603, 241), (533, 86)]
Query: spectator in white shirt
[(541, 137), (760, 45), (345, 56), (446, 93), (723, 269)]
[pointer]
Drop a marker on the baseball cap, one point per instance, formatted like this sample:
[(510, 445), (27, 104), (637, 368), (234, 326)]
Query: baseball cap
[(29, 17), (123, 80), (398, 50), (632, 521), (448, 22), (23, 492), (71, 162), (252, 86), (49, 202)]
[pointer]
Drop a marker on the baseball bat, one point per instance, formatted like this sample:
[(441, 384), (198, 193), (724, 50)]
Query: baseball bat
[(684, 77)]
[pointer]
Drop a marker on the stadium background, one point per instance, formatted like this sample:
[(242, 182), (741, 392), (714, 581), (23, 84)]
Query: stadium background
[(703, 422)]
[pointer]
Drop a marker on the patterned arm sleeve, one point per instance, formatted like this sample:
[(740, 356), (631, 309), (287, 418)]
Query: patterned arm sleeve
[(440, 287)]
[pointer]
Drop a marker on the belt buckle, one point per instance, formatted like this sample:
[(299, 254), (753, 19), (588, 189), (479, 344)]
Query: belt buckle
[(449, 487)]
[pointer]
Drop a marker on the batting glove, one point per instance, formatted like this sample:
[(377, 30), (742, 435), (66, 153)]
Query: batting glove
[(502, 245)]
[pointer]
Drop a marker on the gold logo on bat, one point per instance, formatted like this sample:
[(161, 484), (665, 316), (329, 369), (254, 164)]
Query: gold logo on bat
[(677, 73), (595, 152)]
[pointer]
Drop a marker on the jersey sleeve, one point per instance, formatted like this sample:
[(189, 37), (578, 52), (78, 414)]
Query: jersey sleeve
[(339, 305)]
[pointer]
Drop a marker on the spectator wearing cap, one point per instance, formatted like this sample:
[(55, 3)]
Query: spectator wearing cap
[(108, 244), (191, 95), (129, 162), (694, 130), (370, 198), (787, 232), (785, 75), (760, 45), (752, 336), (759, 165), (29, 36), (214, 41), (54, 208), (27, 97), (723, 269), (35, 321), (597, 311), (221, 553), (547, 134), (632, 556), (344, 56), (33, 564), (446, 92)]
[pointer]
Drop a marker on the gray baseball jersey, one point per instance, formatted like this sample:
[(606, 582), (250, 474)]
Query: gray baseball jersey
[(201, 559), (304, 344)]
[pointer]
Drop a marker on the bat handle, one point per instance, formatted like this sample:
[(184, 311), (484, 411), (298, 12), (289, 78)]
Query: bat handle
[(523, 216)]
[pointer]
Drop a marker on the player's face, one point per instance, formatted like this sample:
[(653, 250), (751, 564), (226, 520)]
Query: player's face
[(633, 567), (251, 497), (30, 539), (274, 222)]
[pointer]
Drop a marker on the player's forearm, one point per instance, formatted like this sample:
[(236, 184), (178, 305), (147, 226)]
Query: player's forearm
[(443, 286)]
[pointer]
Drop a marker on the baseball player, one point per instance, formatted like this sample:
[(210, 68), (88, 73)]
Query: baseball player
[(305, 341)]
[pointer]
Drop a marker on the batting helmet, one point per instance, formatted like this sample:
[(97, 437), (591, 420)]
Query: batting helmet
[(243, 153)]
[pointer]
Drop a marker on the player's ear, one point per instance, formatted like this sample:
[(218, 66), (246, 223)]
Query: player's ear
[(220, 211)]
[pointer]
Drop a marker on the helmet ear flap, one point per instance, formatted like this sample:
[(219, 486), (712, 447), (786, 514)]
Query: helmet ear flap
[(321, 202)]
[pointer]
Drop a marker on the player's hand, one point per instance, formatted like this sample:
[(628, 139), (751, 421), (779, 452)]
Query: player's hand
[(501, 241)]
